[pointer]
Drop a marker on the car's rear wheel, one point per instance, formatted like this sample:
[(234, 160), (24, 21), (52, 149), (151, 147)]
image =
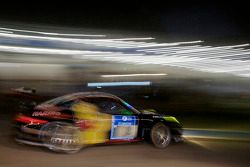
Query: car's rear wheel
[(61, 137), (160, 135)]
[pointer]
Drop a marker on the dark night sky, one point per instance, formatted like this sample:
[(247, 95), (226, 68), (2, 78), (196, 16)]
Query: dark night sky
[(206, 18)]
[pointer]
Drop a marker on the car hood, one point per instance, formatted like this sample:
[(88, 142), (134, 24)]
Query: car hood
[(154, 114)]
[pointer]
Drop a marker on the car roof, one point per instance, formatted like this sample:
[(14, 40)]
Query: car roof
[(93, 94), (81, 95), (77, 95)]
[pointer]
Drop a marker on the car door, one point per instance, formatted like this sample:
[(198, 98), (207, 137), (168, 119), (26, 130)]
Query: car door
[(125, 122)]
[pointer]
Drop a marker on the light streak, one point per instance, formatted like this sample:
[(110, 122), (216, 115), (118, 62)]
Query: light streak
[(132, 75), (108, 84)]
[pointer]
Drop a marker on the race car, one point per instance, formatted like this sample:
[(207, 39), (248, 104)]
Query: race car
[(71, 122)]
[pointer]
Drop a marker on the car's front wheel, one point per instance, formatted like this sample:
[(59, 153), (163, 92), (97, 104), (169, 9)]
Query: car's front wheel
[(160, 135), (61, 137)]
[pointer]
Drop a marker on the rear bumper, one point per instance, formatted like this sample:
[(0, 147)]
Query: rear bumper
[(27, 132)]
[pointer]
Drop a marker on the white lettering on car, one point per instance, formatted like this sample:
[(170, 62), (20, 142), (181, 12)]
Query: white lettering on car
[(46, 113)]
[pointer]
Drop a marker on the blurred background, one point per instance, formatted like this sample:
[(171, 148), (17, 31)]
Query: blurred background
[(186, 59)]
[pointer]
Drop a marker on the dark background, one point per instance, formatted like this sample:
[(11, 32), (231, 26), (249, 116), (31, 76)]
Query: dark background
[(204, 19)]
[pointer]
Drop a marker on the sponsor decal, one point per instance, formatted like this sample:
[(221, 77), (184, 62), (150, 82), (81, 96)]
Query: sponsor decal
[(124, 118), (124, 127), (45, 113), (51, 114)]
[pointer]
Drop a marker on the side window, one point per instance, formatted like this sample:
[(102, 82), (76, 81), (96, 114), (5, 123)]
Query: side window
[(111, 106), (66, 104)]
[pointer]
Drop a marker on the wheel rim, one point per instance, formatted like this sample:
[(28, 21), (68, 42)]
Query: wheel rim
[(160, 136)]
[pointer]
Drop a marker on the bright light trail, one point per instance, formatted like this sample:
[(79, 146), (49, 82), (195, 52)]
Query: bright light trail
[(233, 59), (132, 75), (211, 54), (8, 32), (213, 48), (168, 44), (32, 50), (108, 84), (133, 39), (174, 47), (117, 43), (50, 33), (98, 42)]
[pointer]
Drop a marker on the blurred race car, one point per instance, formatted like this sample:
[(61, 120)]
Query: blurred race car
[(71, 122)]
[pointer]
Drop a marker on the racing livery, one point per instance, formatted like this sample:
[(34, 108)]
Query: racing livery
[(71, 122)]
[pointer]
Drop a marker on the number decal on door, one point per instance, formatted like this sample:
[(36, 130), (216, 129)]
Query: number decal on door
[(124, 127)]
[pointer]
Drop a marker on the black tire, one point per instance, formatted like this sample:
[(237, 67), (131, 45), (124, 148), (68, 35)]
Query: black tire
[(60, 137), (160, 135)]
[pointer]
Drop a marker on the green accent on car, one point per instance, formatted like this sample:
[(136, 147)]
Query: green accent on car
[(171, 119), (126, 112)]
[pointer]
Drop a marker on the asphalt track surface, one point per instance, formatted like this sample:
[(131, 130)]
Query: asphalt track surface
[(200, 153)]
